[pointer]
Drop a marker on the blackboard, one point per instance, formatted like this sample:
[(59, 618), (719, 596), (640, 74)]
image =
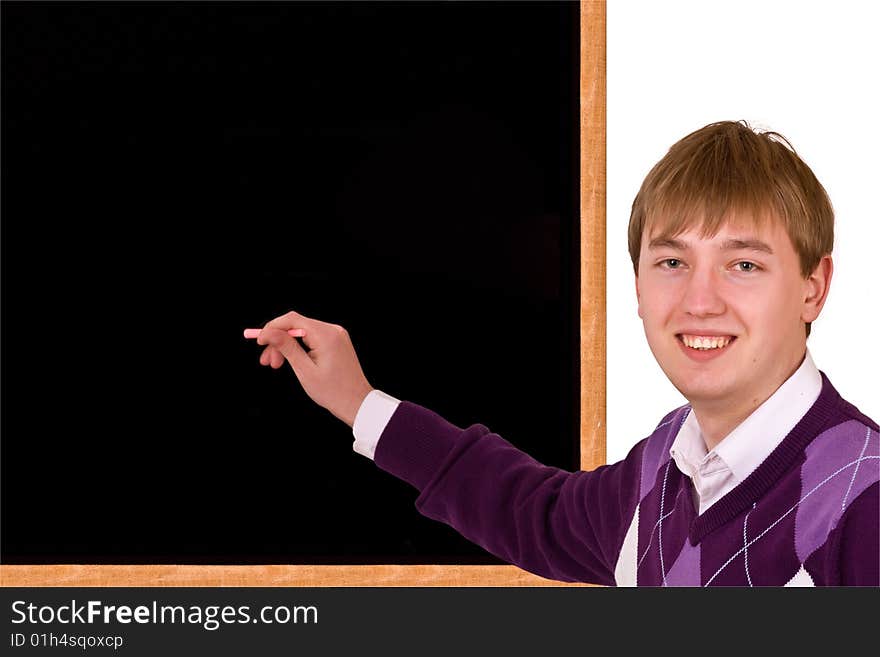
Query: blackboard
[(174, 173)]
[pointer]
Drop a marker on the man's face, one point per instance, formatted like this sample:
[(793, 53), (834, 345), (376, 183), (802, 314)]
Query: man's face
[(724, 315)]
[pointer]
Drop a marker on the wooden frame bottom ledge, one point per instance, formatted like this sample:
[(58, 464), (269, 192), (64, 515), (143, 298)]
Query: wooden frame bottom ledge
[(318, 576)]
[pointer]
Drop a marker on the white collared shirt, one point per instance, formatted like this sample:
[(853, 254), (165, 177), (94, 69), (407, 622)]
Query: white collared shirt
[(717, 472), (370, 421), (713, 474)]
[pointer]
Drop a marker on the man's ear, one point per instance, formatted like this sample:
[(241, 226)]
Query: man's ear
[(816, 287), (638, 296)]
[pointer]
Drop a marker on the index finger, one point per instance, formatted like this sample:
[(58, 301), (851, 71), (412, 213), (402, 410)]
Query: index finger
[(293, 320)]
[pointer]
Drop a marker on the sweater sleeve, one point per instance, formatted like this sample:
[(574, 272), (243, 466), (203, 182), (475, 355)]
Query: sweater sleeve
[(560, 525)]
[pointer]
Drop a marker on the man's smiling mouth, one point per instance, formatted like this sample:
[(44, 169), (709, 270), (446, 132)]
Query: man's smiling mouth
[(705, 342)]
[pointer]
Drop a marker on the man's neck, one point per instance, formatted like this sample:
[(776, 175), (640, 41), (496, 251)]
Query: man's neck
[(715, 426), (717, 418)]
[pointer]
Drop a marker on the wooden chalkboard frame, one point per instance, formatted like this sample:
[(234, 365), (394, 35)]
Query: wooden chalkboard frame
[(592, 427)]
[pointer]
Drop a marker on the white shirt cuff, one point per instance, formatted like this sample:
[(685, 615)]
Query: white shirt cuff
[(371, 419)]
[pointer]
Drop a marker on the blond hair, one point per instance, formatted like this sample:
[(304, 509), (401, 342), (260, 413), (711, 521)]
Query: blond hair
[(726, 169)]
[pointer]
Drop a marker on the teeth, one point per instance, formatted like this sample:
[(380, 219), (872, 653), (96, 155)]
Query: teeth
[(705, 342)]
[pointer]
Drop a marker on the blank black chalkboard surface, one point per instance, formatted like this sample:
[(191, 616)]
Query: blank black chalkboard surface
[(176, 172)]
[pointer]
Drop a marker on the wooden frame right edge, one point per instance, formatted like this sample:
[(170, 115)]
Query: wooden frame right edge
[(592, 169)]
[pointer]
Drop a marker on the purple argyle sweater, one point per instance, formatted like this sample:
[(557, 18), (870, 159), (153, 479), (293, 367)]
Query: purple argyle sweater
[(808, 515)]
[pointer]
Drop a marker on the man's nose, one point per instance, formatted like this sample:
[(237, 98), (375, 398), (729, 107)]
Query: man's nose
[(703, 294)]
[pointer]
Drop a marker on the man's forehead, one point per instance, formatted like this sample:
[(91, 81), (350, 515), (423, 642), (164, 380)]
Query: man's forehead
[(744, 228), (738, 242)]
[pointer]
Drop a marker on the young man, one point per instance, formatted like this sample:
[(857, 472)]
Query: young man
[(766, 477)]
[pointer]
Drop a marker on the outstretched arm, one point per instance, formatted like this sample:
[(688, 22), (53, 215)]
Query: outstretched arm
[(557, 524)]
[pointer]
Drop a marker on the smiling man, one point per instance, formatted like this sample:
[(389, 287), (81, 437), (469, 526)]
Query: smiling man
[(767, 477)]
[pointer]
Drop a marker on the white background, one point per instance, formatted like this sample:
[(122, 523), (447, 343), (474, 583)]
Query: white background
[(808, 70)]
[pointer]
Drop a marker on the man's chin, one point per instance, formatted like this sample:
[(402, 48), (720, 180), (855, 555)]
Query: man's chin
[(703, 392)]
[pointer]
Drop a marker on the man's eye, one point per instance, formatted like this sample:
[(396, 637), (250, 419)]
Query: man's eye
[(746, 266), (672, 263)]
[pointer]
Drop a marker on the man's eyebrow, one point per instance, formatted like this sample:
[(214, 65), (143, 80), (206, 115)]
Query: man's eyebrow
[(747, 244), (668, 243)]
